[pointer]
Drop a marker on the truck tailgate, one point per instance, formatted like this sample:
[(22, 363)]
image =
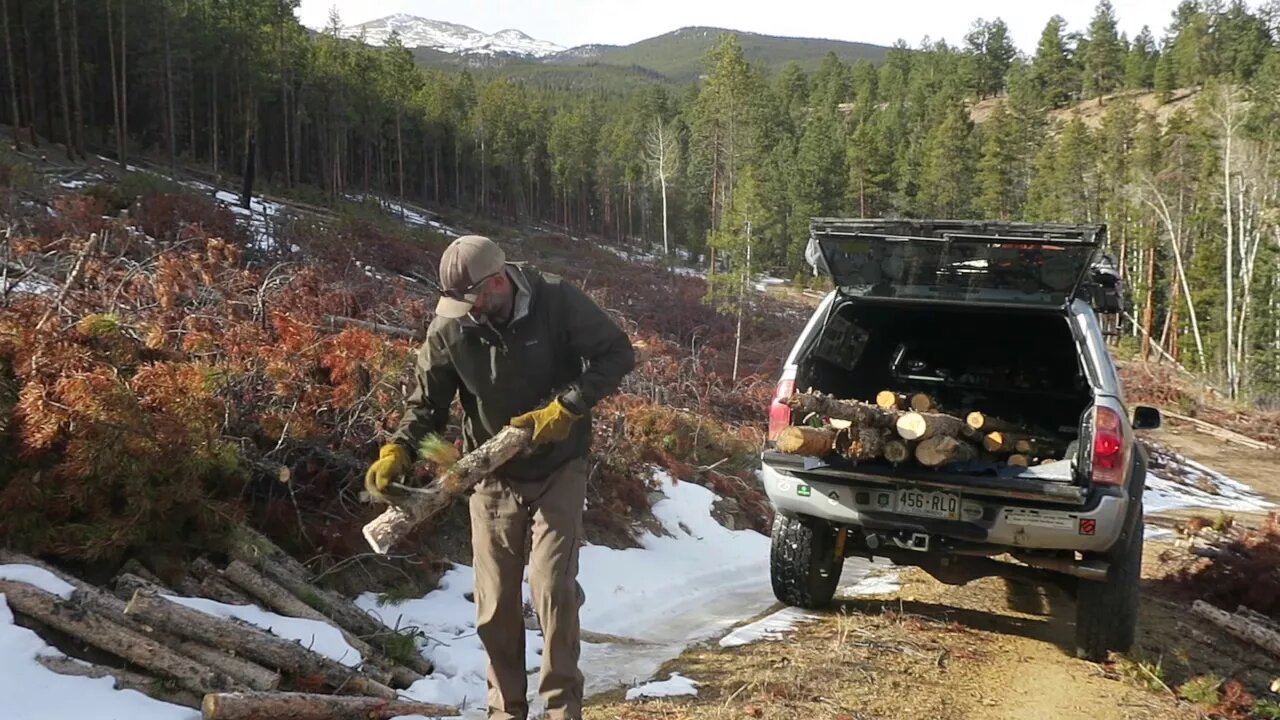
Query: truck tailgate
[(1042, 484)]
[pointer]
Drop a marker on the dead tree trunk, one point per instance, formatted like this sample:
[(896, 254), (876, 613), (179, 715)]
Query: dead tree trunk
[(76, 104), (70, 618), (62, 80), (859, 413), (251, 642), (91, 599), (304, 706), (387, 529), (13, 82)]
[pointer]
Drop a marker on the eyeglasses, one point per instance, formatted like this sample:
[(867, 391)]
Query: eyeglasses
[(460, 294)]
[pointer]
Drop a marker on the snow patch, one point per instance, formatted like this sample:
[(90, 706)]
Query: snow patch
[(884, 584), (1200, 487), (449, 37), (772, 627), (318, 636), (674, 686), (28, 286), (33, 692), (687, 585), (37, 577)]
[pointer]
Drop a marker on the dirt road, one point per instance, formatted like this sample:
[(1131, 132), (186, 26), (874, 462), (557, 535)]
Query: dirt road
[(993, 649)]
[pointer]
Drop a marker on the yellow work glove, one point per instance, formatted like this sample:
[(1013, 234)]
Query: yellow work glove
[(392, 464), (550, 424)]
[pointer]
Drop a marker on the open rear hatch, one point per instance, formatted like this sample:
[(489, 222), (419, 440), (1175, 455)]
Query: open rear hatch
[(955, 261)]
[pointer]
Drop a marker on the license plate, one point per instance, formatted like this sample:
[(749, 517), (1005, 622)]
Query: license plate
[(940, 505)]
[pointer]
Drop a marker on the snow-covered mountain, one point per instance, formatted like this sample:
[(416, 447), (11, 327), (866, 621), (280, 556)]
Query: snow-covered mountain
[(450, 37)]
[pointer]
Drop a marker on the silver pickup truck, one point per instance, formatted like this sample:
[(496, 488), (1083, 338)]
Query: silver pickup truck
[(1002, 317)]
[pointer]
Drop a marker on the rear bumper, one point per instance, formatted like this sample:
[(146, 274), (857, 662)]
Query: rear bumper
[(1000, 520)]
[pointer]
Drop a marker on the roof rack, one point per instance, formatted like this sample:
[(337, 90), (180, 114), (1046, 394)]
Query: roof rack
[(961, 230)]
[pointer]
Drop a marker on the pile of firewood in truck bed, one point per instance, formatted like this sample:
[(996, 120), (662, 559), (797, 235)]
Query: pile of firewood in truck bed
[(905, 428), (228, 668)]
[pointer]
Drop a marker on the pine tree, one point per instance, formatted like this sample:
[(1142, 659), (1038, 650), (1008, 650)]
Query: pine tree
[(1189, 48), (1140, 62), (997, 169), (991, 52), (1052, 68), (1103, 58), (1166, 78), (870, 176), (946, 183)]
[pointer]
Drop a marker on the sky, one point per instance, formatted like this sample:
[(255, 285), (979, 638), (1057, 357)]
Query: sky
[(579, 22)]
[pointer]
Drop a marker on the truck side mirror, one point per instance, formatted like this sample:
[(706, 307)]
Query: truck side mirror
[(1145, 418)]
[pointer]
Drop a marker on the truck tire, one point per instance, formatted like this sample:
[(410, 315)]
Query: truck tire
[(1107, 612), (802, 562)]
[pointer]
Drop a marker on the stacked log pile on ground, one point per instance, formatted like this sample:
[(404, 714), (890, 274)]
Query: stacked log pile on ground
[(231, 668), (901, 427)]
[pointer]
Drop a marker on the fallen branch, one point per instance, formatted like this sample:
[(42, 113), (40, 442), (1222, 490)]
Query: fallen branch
[(335, 321), (1240, 626), (71, 279), (305, 706), (384, 531), (1220, 432)]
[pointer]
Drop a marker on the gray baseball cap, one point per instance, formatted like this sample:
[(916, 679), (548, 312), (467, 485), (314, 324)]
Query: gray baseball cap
[(467, 262)]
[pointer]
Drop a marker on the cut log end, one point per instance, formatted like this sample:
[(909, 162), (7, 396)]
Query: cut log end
[(896, 451), (920, 402), (889, 400), (912, 426)]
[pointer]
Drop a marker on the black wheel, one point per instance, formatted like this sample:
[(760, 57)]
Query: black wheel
[(1107, 612), (802, 562)]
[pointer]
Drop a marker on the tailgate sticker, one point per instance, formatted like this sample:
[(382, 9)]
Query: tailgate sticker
[(1040, 518)]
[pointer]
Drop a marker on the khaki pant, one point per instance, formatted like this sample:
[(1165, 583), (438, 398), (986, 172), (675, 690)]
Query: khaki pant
[(503, 513)]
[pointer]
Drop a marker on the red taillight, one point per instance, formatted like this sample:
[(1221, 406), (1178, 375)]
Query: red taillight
[(1109, 456), (779, 411)]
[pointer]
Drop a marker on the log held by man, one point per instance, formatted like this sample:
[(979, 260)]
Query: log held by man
[(414, 507)]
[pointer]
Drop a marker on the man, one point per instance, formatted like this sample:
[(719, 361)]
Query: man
[(527, 349)]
